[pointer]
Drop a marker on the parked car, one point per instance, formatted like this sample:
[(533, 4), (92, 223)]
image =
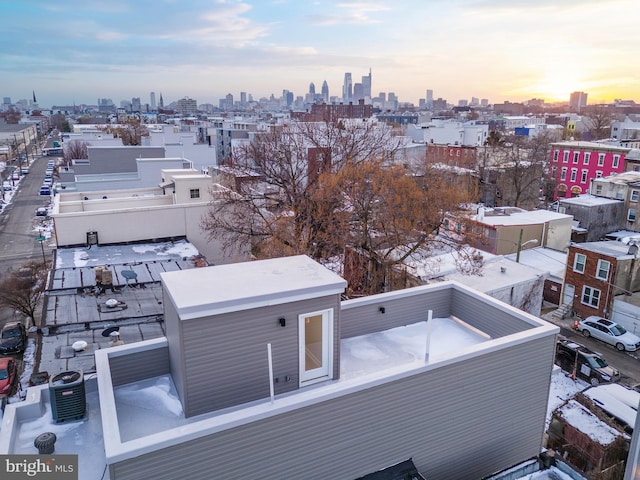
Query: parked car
[(8, 375), (7, 187), (609, 332), (42, 212), (15, 175), (24, 170), (45, 190), (587, 365), (13, 338)]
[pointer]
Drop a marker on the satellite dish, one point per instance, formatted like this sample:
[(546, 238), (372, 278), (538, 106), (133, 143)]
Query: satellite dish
[(108, 331)]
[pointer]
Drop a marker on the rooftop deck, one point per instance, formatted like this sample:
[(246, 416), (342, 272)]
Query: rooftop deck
[(150, 410)]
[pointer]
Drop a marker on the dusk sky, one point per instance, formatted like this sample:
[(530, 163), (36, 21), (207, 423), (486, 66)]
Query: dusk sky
[(78, 51)]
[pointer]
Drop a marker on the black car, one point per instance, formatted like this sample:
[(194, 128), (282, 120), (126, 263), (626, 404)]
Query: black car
[(13, 338), (584, 363)]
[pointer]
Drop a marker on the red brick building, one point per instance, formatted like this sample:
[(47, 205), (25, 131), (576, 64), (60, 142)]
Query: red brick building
[(596, 272), (331, 112), (456, 155)]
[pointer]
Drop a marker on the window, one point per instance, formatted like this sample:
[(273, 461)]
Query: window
[(579, 262), (574, 174), (616, 160), (590, 296), (634, 195), (586, 158), (575, 157), (598, 189), (583, 177), (631, 215), (602, 272), (554, 171), (194, 193), (563, 173), (555, 155), (600, 159), (565, 157), (598, 173), (636, 168)]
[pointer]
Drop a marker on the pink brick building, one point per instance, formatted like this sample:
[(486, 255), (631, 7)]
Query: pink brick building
[(574, 164)]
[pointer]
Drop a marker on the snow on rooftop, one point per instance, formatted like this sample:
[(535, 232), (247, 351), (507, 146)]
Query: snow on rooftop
[(378, 351), (121, 254), (532, 217), (543, 259), (440, 261), (562, 388), (497, 275), (618, 401), (151, 406), (589, 200), (586, 422), (81, 437), (249, 285)]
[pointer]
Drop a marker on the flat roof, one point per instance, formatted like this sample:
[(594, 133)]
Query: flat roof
[(612, 248), (527, 217), (498, 274), (589, 200), (234, 287)]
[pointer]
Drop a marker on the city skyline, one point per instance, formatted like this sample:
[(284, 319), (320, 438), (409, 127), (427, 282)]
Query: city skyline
[(76, 52)]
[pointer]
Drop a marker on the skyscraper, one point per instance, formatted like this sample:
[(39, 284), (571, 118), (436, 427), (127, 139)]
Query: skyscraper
[(325, 92), (135, 104), (366, 85), (152, 103), (312, 89), (161, 104), (577, 101), (347, 88), (429, 99)]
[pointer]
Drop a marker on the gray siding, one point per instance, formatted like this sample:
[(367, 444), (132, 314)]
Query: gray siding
[(173, 333), (403, 310), (464, 420), (116, 159), (138, 366), (224, 358), (486, 317)]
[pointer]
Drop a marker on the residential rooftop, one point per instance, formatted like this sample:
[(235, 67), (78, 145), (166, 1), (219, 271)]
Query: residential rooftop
[(589, 200)]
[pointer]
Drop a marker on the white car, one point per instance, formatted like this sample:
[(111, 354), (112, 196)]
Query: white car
[(609, 332)]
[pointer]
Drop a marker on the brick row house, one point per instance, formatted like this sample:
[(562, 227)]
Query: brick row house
[(574, 164), (596, 272)]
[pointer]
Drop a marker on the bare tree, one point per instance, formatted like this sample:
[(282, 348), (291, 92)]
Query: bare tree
[(130, 131), (279, 212), (520, 169), (598, 120), (387, 216), (75, 149), (23, 289)]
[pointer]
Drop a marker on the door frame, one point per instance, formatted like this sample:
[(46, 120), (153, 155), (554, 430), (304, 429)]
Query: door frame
[(326, 371)]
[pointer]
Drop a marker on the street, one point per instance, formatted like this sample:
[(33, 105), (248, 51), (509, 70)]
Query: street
[(18, 226), (625, 362)]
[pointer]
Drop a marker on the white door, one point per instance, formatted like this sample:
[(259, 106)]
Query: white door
[(316, 346), (567, 297)]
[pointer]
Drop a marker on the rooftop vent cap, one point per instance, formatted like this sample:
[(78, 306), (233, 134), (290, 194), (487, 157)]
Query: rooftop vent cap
[(111, 303), (79, 346)]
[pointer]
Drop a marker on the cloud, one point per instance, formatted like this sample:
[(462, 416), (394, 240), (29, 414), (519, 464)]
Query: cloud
[(352, 13)]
